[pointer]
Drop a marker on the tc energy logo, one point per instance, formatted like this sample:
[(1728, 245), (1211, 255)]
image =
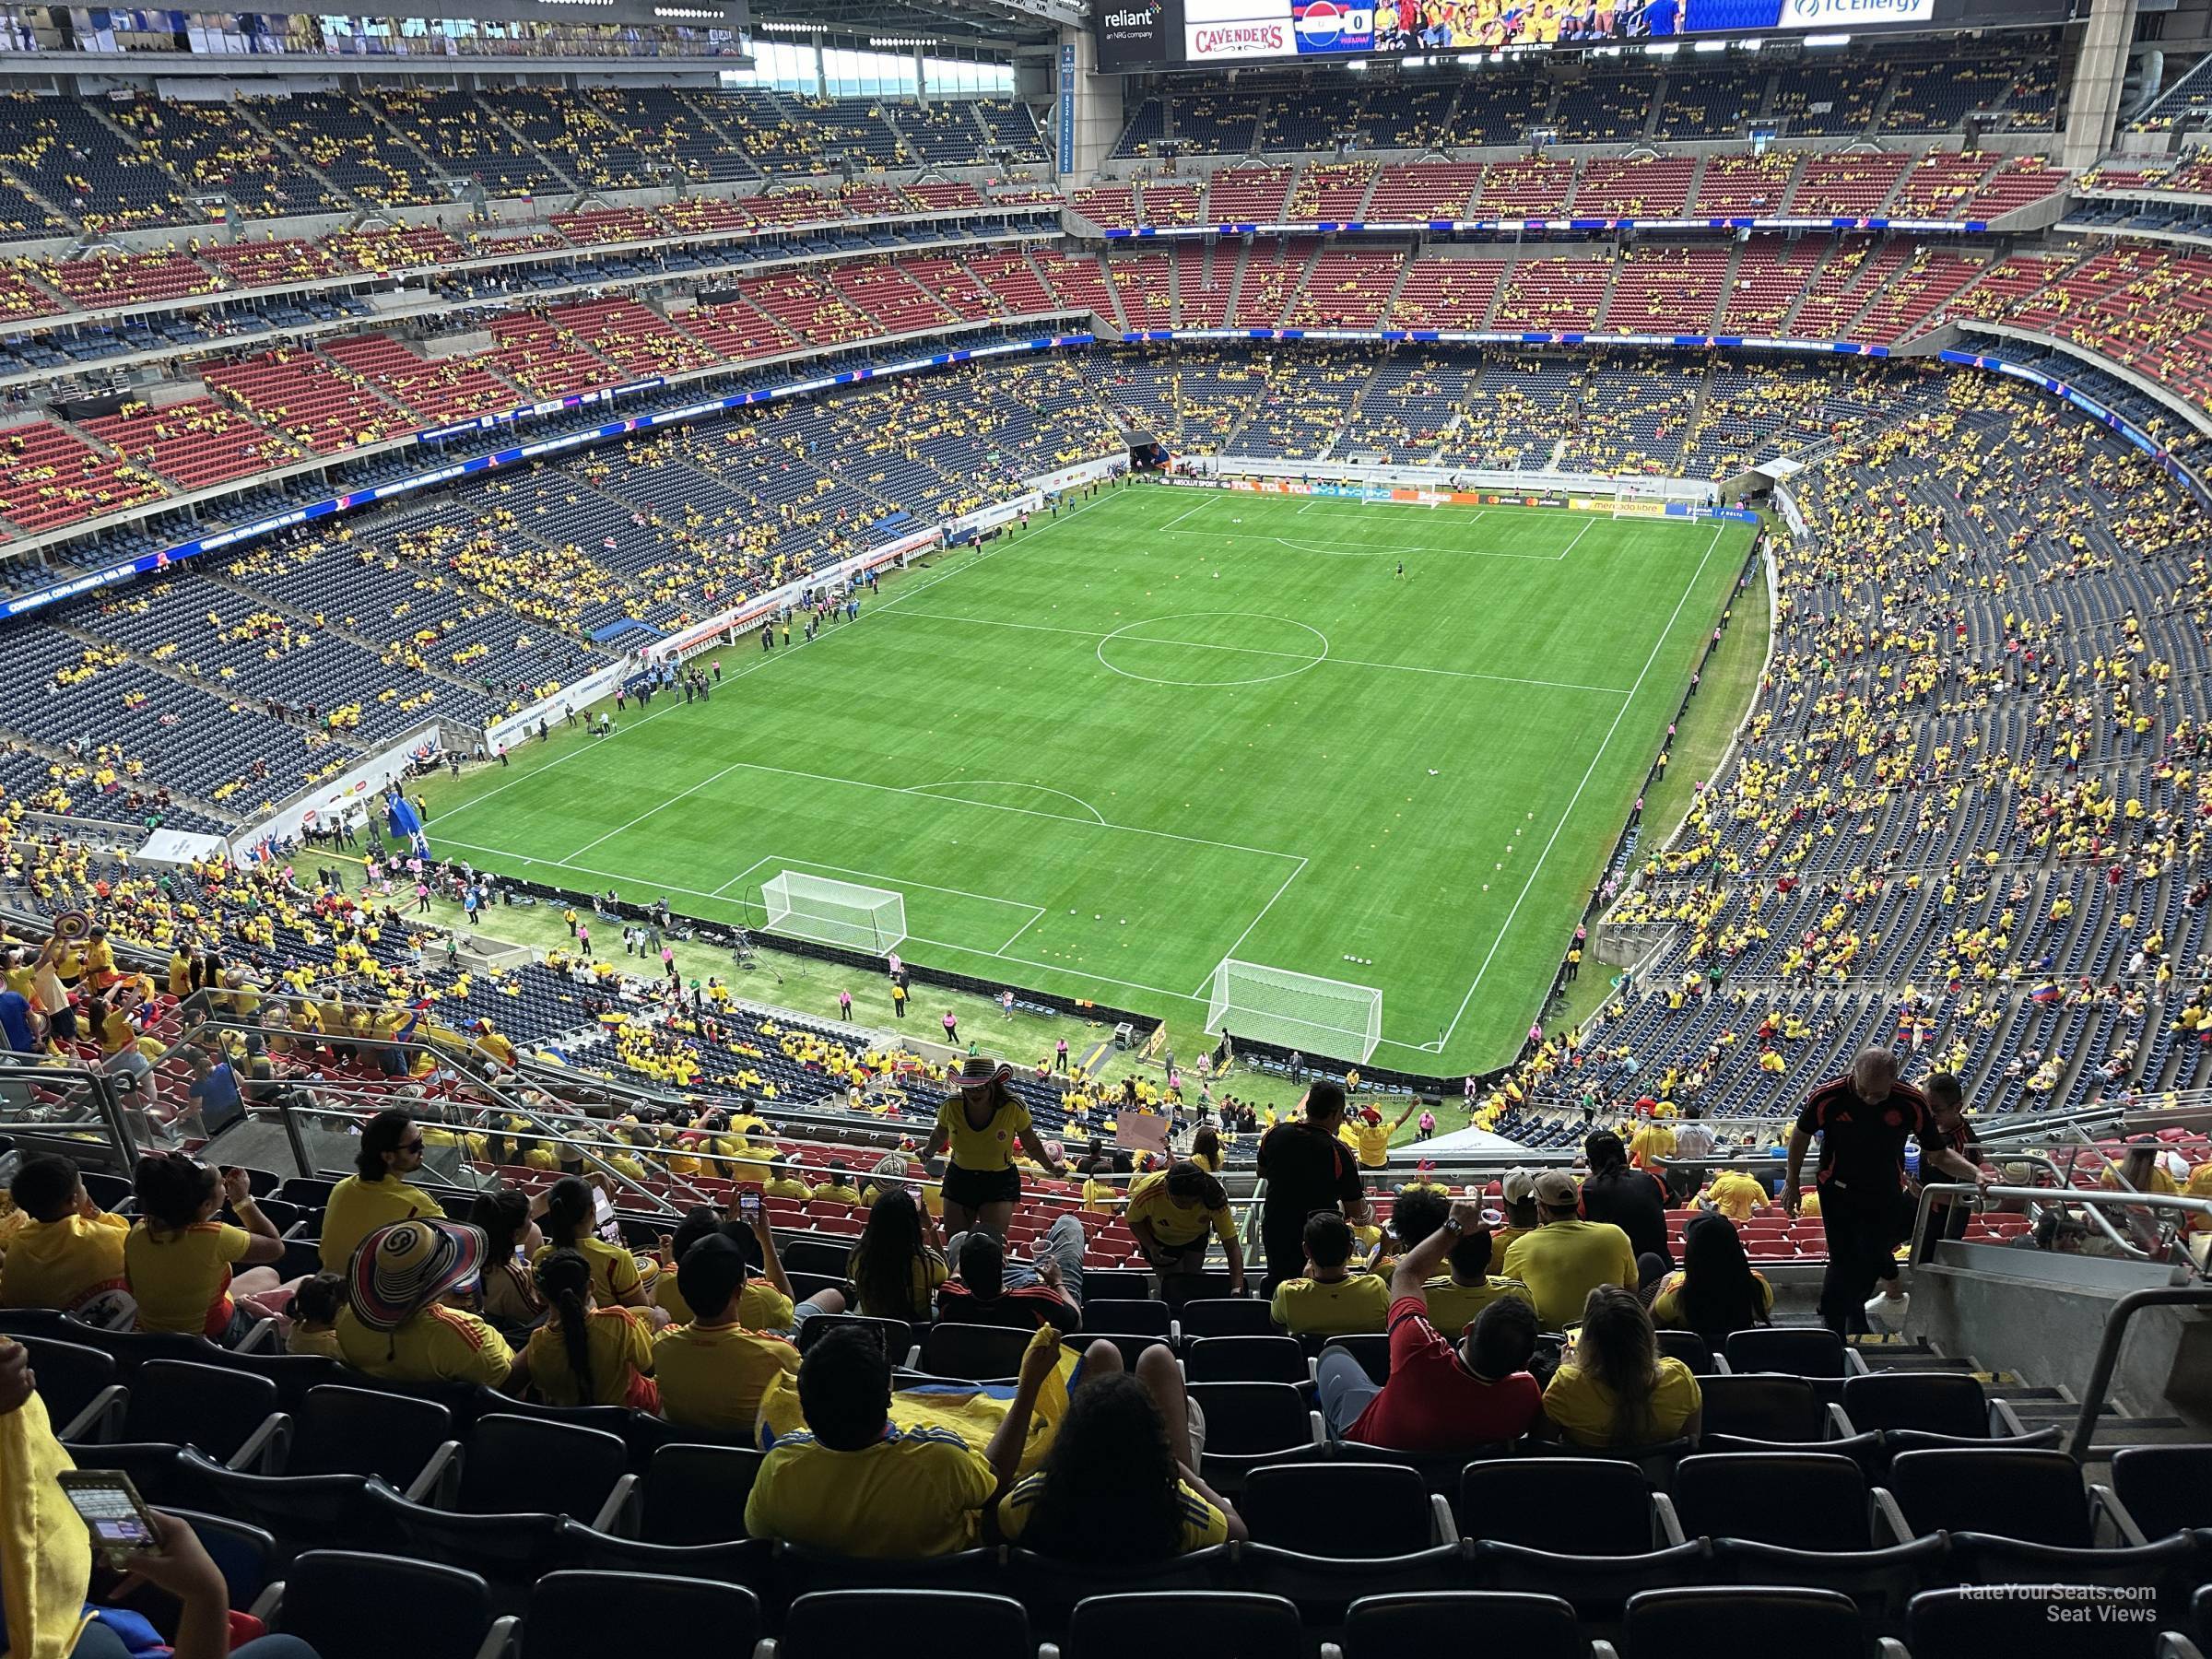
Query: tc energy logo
[(1812, 13)]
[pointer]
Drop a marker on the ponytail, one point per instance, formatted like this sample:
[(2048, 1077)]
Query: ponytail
[(565, 1279), (569, 1209)]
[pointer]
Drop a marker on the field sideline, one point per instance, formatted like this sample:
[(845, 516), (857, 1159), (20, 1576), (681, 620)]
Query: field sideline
[(1168, 726)]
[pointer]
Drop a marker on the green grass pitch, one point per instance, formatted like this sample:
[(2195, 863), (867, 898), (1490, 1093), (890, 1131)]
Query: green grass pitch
[(1168, 726)]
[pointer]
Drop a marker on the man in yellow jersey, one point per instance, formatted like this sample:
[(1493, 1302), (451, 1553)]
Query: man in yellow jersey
[(1370, 1136), (407, 1318), (378, 1192), (1736, 1195), (1568, 1257), (852, 1484), (1330, 1300), (713, 1370)]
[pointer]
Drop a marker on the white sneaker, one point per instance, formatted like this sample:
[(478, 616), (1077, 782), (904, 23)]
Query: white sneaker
[(1886, 1315)]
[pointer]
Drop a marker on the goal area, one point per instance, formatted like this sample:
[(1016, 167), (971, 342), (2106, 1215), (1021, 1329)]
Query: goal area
[(1302, 1011), (834, 913)]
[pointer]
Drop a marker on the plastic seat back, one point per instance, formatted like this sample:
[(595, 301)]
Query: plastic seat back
[(350, 1431), (697, 1494), (1360, 1510), (347, 1605), (1932, 1402), (1567, 1505), (973, 1353), (1698, 1623), (1809, 1501), (1794, 1351), (578, 1615), (1224, 1316), (1760, 1407), (1246, 1418), (1689, 1348), (1224, 1622), (920, 1624), (1527, 1627), (70, 1376), (896, 1335), (1140, 1317), (203, 1405), (2166, 1488), (517, 1465), (2035, 1496), (1974, 1624), (1247, 1360)]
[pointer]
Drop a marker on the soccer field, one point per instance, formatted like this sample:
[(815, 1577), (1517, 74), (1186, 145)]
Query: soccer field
[(1170, 726)]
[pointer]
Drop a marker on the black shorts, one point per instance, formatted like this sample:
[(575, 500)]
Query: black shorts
[(971, 1189)]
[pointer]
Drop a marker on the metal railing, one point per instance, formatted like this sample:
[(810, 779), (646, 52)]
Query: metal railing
[(2071, 1199), (2108, 1352)]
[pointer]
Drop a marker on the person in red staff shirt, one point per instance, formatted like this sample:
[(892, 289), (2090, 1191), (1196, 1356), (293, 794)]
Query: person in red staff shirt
[(1440, 1397)]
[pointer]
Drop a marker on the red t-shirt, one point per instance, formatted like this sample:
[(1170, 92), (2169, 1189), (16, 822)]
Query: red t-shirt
[(1432, 1403)]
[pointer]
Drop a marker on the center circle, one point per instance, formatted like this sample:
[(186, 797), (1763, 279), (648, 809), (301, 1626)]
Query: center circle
[(1213, 648)]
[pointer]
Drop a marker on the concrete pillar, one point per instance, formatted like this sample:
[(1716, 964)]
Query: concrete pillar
[(822, 79), (2093, 98), (921, 79), (1083, 135)]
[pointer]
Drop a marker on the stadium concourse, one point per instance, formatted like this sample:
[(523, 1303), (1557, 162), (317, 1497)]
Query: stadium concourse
[(448, 1295)]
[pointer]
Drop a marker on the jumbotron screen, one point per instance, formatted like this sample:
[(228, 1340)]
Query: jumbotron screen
[(1154, 34)]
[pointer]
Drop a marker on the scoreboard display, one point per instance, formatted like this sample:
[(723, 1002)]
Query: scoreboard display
[(1158, 34)]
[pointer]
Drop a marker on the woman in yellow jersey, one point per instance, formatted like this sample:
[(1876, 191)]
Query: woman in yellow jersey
[(899, 1263), (586, 1355), (979, 1129), (1206, 1150), (1717, 1289), (178, 1257), (569, 1212)]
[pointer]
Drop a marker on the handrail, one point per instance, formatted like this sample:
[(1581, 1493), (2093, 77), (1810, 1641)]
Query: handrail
[(2128, 1199), (2107, 1351)]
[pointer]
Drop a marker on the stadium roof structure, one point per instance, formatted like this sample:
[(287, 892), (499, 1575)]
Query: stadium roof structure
[(1002, 23)]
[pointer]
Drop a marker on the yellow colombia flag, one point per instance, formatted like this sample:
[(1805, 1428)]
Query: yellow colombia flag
[(45, 1550)]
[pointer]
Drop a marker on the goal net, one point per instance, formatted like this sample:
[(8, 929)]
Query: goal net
[(834, 913), (1295, 1010), (1640, 498)]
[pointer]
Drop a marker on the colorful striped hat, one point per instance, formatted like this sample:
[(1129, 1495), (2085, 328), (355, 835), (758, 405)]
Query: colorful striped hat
[(400, 1269)]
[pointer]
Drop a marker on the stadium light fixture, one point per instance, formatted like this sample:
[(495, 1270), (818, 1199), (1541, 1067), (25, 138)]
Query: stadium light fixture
[(1357, 66), (1663, 48), (1816, 41), (1752, 45), (779, 26), (1712, 46), (691, 14)]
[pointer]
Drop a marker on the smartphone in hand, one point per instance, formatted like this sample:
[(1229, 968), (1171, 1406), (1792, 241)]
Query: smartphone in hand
[(112, 1508)]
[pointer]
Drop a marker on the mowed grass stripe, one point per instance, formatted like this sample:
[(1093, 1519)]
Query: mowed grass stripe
[(964, 740)]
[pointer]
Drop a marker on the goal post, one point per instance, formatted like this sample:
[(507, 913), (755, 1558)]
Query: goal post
[(834, 913), (1640, 498), (1302, 1011)]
